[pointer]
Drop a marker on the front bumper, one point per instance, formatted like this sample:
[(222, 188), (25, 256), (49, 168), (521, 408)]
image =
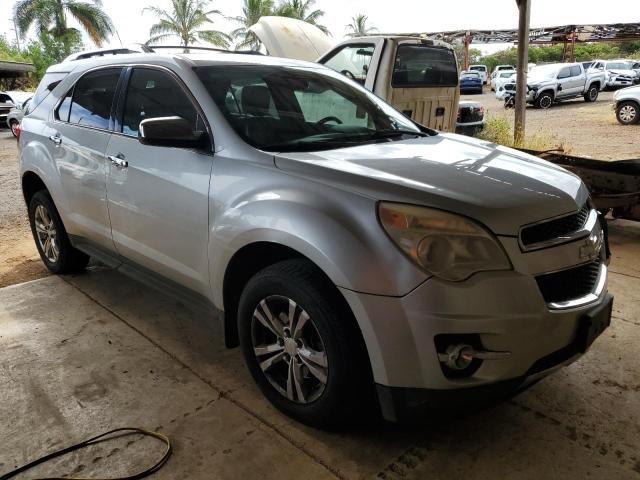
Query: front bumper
[(505, 310), (620, 82)]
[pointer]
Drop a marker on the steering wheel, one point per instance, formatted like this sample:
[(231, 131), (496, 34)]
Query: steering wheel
[(330, 118), (348, 74)]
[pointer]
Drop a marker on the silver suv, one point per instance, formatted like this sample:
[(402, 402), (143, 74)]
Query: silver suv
[(351, 253)]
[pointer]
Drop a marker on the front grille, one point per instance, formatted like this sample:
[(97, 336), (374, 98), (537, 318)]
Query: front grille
[(553, 229), (470, 114), (569, 284), (511, 87)]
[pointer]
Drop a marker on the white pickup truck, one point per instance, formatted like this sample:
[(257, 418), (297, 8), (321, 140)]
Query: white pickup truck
[(552, 83)]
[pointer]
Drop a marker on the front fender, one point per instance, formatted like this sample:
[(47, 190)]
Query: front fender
[(337, 230)]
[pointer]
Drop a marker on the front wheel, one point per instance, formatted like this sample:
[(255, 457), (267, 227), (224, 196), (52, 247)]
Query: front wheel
[(14, 127), (544, 100), (301, 346), (592, 94), (628, 113), (51, 238)]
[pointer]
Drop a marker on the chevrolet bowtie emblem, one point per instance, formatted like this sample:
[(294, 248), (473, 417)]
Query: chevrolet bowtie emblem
[(591, 247)]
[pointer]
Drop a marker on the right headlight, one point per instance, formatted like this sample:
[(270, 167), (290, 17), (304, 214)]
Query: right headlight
[(446, 245)]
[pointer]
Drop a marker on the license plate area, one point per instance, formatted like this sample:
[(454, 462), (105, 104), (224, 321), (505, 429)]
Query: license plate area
[(593, 323)]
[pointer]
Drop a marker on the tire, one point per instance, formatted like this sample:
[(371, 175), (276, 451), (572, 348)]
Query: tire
[(544, 100), (628, 113), (592, 94), (51, 237), (330, 332), (13, 125)]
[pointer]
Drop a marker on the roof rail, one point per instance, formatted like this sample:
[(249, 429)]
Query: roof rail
[(210, 49), (143, 48)]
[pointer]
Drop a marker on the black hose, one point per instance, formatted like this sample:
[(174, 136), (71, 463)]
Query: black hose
[(100, 438)]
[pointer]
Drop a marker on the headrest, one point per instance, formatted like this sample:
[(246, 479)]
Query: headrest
[(256, 99)]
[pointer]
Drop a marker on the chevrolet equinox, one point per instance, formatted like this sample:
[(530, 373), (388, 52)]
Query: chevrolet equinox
[(353, 254)]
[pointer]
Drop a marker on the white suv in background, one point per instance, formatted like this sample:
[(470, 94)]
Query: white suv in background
[(482, 70), (618, 73)]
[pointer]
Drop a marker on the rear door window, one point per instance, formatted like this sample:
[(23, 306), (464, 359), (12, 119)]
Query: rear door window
[(93, 98), (575, 71), (352, 61), (424, 66), (565, 72)]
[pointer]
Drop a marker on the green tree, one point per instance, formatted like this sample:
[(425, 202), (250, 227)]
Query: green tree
[(358, 26), (187, 20), (48, 50), (51, 16), (251, 13), (301, 10)]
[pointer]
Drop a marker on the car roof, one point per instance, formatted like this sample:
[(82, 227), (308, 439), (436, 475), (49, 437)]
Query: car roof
[(167, 59)]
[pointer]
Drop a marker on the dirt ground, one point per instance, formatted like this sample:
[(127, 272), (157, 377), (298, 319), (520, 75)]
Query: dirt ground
[(585, 129), (19, 260)]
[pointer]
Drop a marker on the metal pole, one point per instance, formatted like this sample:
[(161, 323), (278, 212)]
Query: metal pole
[(521, 70)]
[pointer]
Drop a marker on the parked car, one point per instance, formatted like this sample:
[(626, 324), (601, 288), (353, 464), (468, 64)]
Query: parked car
[(409, 72), (555, 82), (627, 105), (482, 70), (500, 80), (352, 253), (500, 68), (6, 104), (502, 77), (471, 118), (470, 82), (14, 117), (618, 73)]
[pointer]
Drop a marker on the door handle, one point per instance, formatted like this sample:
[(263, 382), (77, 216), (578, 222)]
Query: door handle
[(118, 160), (57, 139)]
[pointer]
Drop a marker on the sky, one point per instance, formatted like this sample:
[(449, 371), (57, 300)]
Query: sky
[(393, 17)]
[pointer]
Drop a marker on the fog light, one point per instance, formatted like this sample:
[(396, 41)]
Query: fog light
[(457, 357)]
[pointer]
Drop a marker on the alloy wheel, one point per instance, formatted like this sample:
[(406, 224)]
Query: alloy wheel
[(289, 349), (46, 233), (627, 114)]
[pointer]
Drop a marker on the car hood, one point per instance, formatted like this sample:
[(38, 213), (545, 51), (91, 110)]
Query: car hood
[(500, 187), (630, 73)]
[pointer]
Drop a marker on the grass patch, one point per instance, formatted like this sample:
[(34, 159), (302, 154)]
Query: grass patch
[(498, 130)]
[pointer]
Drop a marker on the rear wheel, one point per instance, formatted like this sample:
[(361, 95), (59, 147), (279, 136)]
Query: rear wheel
[(51, 237), (592, 94), (544, 100), (628, 113), (14, 127), (301, 347)]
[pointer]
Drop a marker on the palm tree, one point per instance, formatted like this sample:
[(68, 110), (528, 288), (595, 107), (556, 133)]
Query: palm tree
[(252, 11), (50, 16), (300, 9), (186, 21), (358, 26)]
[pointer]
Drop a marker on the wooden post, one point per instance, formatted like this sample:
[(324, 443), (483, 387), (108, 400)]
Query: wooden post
[(467, 42), (573, 47), (521, 71)]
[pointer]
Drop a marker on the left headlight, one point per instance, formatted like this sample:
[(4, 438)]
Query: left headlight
[(446, 245)]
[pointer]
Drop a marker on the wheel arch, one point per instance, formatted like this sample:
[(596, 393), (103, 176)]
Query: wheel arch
[(32, 183)]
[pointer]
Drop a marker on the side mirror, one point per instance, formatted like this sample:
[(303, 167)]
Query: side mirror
[(171, 132)]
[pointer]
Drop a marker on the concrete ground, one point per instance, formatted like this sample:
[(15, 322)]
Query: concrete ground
[(85, 354)]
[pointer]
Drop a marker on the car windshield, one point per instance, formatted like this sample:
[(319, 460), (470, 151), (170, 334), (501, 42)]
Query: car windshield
[(478, 68), (470, 75), (506, 75), (277, 108), (618, 66), (544, 71)]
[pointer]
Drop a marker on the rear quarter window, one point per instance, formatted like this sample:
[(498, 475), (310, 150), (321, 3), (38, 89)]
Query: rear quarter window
[(46, 85), (424, 66)]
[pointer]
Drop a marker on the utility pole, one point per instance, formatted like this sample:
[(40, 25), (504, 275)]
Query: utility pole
[(15, 29), (524, 7)]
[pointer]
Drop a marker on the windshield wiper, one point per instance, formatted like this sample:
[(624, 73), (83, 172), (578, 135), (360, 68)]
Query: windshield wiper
[(396, 133)]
